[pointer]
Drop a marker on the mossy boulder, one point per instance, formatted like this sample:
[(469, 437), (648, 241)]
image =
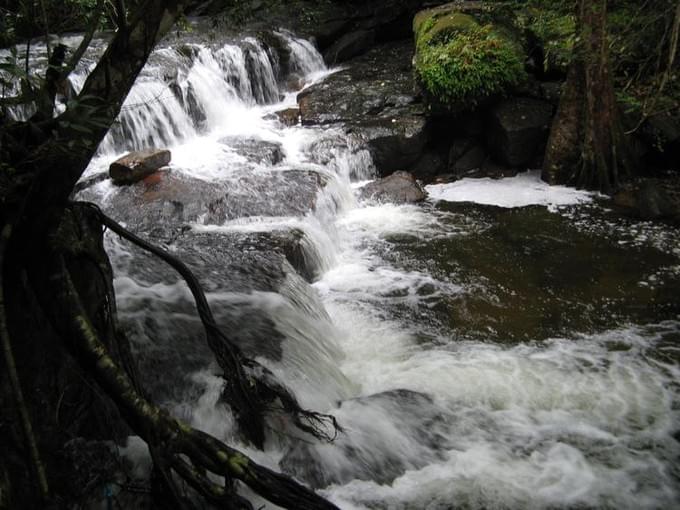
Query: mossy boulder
[(465, 56)]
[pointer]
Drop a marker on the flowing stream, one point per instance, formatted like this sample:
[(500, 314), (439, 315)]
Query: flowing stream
[(370, 318)]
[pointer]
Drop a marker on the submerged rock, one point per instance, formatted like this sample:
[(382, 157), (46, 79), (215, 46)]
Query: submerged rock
[(289, 116), (255, 150), (136, 165), (400, 187), (371, 453)]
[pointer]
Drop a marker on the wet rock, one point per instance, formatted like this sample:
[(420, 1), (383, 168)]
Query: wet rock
[(518, 130), (289, 116), (245, 280), (331, 30), (651, 199), (174, 198), (90, 181), (373, 454), (136, 165), (400, 187), (395, 143), (458, 148), (256, 150), (429, 165), (661, 136), (349, 45), (374, 98), (472, 159)]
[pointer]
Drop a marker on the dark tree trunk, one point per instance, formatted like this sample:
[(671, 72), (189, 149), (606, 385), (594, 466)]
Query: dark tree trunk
[(587, 146), (68, 375)]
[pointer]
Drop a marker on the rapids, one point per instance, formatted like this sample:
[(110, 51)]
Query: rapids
[(403, 342)]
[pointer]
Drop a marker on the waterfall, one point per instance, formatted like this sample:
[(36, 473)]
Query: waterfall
[(306, 278)]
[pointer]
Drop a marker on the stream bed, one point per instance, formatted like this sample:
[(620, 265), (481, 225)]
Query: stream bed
[(501, 345)]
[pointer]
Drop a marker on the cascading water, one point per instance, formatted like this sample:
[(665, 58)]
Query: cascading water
[(430, 421)]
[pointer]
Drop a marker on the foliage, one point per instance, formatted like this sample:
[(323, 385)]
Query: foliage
[(555, 32), (460, 61), (30, 18)]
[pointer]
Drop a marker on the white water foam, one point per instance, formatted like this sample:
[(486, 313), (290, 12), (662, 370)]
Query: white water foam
[(575, 422), (519, 191)]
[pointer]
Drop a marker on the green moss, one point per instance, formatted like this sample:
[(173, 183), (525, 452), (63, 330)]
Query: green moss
[(440, 29), (460, 61)]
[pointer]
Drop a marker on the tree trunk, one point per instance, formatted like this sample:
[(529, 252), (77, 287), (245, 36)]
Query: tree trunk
[(68, 376), (587, 146)]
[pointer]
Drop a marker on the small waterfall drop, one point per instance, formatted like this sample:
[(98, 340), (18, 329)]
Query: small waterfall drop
[(301, 273)]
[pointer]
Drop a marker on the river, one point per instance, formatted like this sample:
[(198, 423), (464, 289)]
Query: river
[(502, 345)]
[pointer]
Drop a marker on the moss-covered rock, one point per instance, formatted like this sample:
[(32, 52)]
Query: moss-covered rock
[(463, 56)]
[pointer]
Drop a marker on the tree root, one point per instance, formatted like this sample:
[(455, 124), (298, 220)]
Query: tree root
[(250, 388), (189, 453)]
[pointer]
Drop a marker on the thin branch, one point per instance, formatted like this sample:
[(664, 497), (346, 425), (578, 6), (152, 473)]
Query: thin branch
[(85, 43)]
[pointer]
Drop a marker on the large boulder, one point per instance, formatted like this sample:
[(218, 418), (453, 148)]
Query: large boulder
[(518, 130), (135, 166), (400, 187)]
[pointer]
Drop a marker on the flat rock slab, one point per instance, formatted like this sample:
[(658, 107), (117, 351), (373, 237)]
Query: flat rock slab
[(170, 199), (137, 165)]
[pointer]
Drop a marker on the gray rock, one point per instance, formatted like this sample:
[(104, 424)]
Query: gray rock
[(173, 199), (425, 428), (349, 45), (400, 188), (289, 116), (255, 150), (396, 143), (652, 199), (472, 160), (137, 165), (429, 165), (374, 98), (518, 130)]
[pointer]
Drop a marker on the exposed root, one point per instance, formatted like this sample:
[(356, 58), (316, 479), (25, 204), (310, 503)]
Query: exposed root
[(251, 389), (189, 453)]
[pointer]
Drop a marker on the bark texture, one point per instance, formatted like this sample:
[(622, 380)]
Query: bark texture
[(587, 146), (69, 375)]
